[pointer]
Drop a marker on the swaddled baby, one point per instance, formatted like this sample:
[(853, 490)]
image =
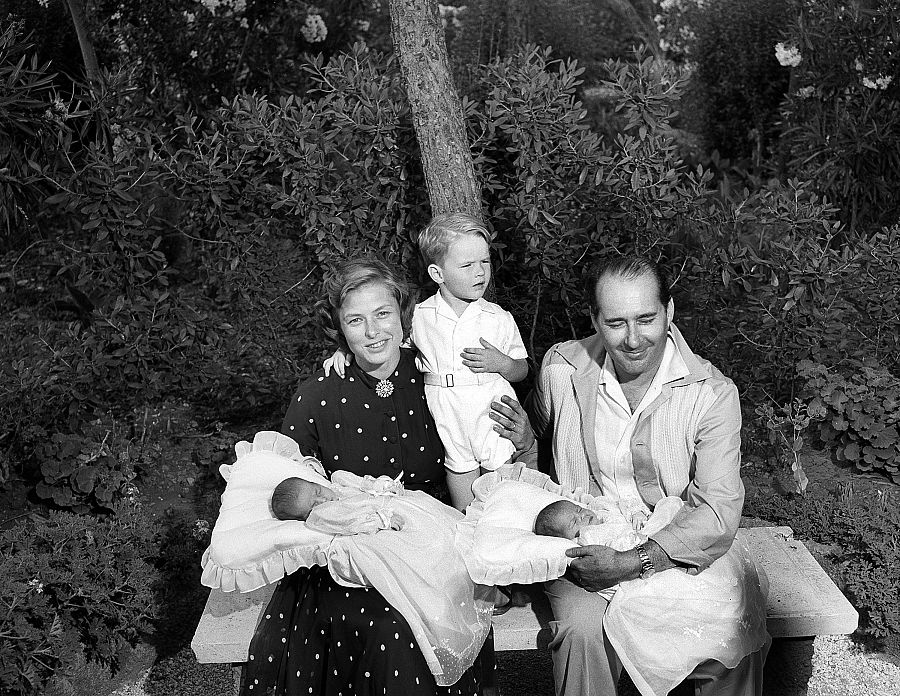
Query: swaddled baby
[(606, 524), (401, 543), (354, 505)]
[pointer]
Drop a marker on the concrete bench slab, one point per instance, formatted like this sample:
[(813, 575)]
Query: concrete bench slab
[(803, 602)]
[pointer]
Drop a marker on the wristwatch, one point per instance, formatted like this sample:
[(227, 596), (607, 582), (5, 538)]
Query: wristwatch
[(647, 568)]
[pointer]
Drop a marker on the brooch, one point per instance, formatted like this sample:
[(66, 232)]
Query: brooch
[(384, 388)]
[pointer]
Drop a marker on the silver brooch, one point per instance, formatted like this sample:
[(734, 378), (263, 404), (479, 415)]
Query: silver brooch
[(384, 388)]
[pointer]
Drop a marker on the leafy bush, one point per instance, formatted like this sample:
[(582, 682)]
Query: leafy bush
[(30, 117), (68, 584), (737, 82), (842, 116), (863, 529), (862, 414)]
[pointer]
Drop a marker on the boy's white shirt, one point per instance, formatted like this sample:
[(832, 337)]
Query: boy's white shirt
[(440, 336)]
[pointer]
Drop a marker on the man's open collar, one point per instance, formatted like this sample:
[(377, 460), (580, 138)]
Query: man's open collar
[(587, 356)]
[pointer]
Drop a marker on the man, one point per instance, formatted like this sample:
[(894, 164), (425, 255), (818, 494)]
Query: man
[(634, 414)]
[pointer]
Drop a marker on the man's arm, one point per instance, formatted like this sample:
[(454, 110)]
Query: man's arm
[(597, 567), (704, 529)]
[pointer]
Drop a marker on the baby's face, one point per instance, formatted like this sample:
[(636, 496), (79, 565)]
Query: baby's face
[(572, 519), (309, 495)]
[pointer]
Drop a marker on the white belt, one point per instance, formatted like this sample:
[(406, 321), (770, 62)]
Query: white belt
[(460, 379)]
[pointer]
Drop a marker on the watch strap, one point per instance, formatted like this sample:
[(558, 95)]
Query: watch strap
[(647, 568)]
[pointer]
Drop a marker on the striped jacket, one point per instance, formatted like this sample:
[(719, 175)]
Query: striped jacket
[(686, 443)]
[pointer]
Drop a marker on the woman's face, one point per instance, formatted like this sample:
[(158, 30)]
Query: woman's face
[(370, 321)]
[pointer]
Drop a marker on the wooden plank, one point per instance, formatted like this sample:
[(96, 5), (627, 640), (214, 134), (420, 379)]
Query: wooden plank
[(803, 601)]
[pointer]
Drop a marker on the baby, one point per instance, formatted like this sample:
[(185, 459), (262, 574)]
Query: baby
[(569, 520), (325, 510), (461, 380), (401, 543)]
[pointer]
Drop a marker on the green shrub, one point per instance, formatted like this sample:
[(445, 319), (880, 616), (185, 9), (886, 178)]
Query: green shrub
[(842, 116), (69, 584), (862, 414), (863, 529)]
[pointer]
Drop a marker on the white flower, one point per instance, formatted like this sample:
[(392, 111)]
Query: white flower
[(43, 3), (36, 585), (189, 17), (806, 92), (314, 29), (788, 56), (239, 5), (244, 23), (362, 24), (200, 530), (194, 53), (210, 5), (880, 82), (858, 65)]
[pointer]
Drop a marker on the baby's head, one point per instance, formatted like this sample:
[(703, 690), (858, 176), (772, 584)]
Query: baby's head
[(564, 519), (456, 250), (294, 498)]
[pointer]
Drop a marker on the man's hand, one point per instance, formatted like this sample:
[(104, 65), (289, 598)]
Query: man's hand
[(597, 567), (512, 423), (338, 362), (489, 358)]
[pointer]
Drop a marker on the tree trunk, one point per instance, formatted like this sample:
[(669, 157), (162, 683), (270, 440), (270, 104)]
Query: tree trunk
[(437, 112), (91, 66)]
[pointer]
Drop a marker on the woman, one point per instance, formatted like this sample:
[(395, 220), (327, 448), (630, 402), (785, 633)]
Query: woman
[(316, 636)]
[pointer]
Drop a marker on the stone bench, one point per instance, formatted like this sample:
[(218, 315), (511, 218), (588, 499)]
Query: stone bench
[(803, 602)]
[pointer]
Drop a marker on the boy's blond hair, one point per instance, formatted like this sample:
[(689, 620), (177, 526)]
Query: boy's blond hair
[(445, 229)]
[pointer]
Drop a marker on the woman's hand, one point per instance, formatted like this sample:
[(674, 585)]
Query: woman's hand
[(338, 362), (512, 423)]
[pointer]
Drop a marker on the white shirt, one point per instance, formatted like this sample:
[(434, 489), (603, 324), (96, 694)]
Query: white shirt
[(440, 336), (615, 422)]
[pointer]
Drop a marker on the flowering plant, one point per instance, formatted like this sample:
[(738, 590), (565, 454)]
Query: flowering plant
[(842, 115)]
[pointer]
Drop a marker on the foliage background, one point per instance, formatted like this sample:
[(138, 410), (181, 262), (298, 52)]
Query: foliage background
[(164, 230)]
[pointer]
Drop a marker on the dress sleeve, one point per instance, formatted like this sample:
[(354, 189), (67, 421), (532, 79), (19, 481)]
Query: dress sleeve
[(354, 515), (299, 423)]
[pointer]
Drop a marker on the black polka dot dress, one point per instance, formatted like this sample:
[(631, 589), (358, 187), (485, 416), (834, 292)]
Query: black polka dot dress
[(317, 637), (349, 426)]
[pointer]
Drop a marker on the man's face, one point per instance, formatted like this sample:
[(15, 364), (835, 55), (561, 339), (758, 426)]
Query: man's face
[(632, 323)]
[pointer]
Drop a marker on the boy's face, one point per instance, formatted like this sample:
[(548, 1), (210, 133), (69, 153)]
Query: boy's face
[(465, 270), (571, 519), (309, 495)]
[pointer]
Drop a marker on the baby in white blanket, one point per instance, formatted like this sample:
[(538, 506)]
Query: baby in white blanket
[(606, 524)]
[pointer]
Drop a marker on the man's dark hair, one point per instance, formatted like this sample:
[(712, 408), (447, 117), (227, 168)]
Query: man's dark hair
[(628, 266)]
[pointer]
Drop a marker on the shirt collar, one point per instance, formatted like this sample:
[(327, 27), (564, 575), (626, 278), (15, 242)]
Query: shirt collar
[(445, 310)]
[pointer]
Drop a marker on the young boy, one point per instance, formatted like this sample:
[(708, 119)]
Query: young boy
[(470, 350)]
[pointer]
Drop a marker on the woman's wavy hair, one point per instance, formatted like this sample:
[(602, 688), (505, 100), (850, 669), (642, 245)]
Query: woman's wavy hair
[(351, 275)]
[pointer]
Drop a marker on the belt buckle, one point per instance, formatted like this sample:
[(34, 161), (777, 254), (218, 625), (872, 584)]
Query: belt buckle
[(448, 380)]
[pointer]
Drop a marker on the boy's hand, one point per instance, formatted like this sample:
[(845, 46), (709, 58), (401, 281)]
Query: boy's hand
[(486, 359), (339, 362)]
